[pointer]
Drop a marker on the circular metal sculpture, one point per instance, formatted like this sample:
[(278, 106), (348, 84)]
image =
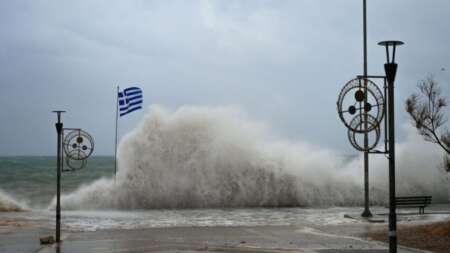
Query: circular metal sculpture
[(357, 138), (356, 100), (76, 164), (78, 146)]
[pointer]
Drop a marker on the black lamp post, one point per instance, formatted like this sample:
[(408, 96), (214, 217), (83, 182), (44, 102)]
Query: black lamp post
[(390, 67), (59, 131)]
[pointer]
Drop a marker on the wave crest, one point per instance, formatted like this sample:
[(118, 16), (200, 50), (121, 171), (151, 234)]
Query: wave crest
[(9, 204), (199, 157)]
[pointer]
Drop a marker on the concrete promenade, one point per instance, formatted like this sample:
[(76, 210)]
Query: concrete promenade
[(199, 239), (21, 234)]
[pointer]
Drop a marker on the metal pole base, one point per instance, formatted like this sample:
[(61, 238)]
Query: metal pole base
[(366, 214)]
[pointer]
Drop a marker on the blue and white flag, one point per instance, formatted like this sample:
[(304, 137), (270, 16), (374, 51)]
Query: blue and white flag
[(130, 99)]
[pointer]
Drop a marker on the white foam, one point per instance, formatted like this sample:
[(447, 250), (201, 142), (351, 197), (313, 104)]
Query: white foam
[(9, 204), (199, 157)]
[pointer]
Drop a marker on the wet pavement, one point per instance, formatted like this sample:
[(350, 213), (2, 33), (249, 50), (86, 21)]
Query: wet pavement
[(22, 235), (196, 239)]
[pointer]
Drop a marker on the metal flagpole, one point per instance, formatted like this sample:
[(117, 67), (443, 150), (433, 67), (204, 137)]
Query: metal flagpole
[(117, 121)]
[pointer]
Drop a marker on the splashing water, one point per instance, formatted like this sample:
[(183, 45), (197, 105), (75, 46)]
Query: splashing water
[(9, 204), (199, 157)]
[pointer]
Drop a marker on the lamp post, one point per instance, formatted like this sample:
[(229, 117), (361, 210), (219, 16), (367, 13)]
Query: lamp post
[(390, 68), (59, 131)]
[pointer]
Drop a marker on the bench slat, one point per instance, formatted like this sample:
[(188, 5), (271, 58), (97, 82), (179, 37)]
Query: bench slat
[(406, 202), (397, 198)]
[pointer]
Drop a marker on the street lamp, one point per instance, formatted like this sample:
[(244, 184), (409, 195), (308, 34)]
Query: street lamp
[(390, 68)]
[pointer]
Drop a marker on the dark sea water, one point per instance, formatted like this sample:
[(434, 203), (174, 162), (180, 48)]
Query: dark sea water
[(32, 179)]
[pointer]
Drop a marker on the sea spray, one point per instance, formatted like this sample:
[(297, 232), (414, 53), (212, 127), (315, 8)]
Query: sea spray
[(9, 204), (201, 157), (417, 168)]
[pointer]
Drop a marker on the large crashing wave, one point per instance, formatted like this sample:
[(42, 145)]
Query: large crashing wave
[(198, 157), (9, 204)]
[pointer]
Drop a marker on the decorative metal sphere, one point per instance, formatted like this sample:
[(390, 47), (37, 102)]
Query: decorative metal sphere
[(357, 138), (78, 146), (75, 164), (361, 97)]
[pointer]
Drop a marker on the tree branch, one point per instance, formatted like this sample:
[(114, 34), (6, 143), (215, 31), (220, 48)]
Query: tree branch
[(425, 109)]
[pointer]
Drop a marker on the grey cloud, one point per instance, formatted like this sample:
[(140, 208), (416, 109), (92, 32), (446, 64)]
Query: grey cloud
[(281, 61)]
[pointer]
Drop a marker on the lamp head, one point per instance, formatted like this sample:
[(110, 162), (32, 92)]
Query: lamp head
[(58, 113), (390, 44)]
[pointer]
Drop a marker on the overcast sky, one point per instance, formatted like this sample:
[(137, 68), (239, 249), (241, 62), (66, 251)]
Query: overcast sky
[(282, 62)]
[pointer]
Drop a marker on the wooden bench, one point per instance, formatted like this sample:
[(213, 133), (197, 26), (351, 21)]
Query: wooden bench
[(413, 201)]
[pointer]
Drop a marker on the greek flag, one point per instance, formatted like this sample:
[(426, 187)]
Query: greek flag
[(130, 99)]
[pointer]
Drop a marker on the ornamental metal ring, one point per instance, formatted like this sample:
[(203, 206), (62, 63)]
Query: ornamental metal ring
[(75, 164), (361, 97), (78, 145), (356, 137)]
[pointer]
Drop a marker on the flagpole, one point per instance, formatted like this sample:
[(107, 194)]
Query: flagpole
[(117, 121)]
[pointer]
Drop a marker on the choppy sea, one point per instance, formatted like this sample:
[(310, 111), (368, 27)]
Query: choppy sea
[(32, 179)]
